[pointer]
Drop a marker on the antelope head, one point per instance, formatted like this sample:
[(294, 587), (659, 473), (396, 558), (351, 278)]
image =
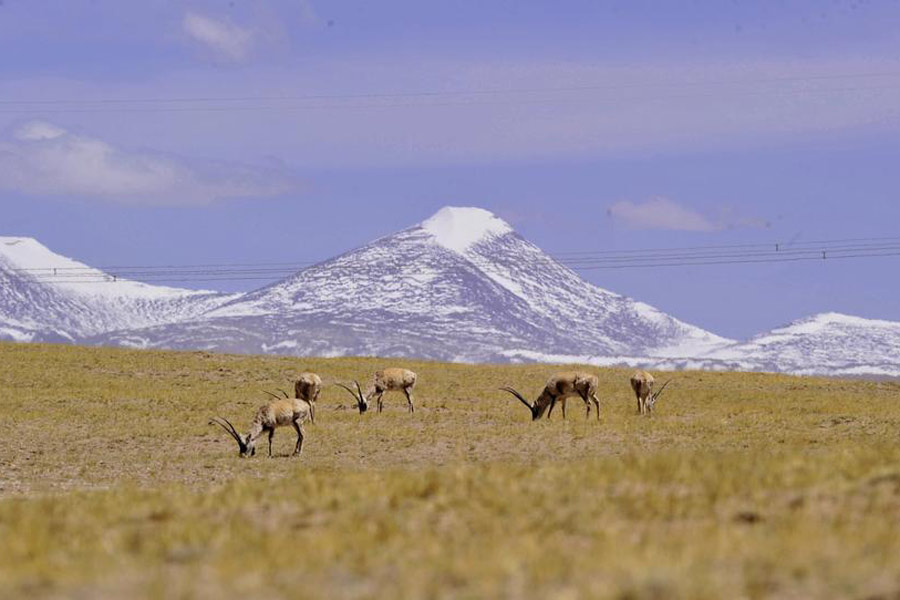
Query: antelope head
[(655, 396), (361, 402), (537, 408), (245, 446)]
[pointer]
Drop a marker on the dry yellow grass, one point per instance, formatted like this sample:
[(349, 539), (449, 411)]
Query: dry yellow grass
[(742, 485)]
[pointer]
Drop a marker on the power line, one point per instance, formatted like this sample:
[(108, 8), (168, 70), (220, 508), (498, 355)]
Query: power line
[(227, 277), (471, 92), (147, 269), (776, 245), (706, 251), (283, 103), (815, 252), (706, 260), (822, 258), (114, 279), (577, 261), (333, 106)]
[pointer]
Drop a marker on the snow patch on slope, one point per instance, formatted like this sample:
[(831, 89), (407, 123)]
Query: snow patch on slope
[(15, 335)]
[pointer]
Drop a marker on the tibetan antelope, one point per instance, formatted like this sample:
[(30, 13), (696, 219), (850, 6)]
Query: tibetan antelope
[(386, 380), (642, 384), (558, 388), (278, 413), (307, 387)]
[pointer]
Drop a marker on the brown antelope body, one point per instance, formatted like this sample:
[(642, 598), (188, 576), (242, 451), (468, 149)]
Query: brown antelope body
[(386, 380), (307, 387), (642, 385), (275, 414), (560, 387)]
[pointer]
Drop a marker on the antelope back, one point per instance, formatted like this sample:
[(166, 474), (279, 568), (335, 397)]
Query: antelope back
[(567, 383), (281, 412), (394, 378), (561, 384), (307, 386)]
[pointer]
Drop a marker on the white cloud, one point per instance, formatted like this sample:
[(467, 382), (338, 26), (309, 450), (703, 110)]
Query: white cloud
[(225, 39), (44, 159), (661, 213), (38, 130)]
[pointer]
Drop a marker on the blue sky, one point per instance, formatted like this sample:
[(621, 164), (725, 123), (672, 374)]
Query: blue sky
[(191, 132)]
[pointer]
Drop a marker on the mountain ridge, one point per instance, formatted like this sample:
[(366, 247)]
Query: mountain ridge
[(463, 272), (461, 285), (48, 297)]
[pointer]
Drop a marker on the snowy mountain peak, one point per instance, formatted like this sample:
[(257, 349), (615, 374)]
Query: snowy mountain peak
[(28, 254), (458, 228), (841, 318), (12, 245), (460, 286), (49, 297), (30, 258), (823, 321)]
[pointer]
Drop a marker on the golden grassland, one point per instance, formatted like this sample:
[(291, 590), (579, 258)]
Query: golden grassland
[(112, 484)]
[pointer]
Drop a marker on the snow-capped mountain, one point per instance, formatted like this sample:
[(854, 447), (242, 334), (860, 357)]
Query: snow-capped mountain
[(824, 344), (829, 344), (48, 297), (462, 285)]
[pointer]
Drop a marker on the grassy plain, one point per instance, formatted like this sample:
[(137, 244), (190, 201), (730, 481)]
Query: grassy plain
[(741, 486)]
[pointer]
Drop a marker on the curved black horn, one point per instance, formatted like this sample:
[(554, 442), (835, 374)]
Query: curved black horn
[(356, 397), (657, 394), (228, 428), (283, 392), (231, 427), (242, 445), (363, 405), (271, 394), (519, 396)]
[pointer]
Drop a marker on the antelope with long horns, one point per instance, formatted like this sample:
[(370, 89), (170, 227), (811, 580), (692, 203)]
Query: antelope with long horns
[(557, 389), (269, 417), (387, 380), (642, 384)]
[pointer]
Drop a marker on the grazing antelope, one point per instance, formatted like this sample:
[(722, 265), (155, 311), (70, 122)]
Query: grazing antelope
[(278, 413), (559, 387), (386, 380), (307, 387), (361, 403), (642, 384)]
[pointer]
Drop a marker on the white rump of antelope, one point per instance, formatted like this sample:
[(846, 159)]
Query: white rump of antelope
[(386, 380), (281, 412), (557, 389), (642, 384)]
